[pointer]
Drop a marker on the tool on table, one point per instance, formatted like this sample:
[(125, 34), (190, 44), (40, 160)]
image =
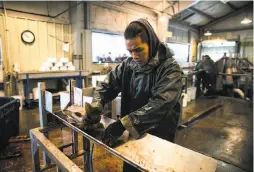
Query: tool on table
[(200, 115), (87, 117)]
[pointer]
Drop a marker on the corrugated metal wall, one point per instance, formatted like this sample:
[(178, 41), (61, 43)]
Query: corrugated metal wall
[(49, 39), (112, 20), (178, 35)]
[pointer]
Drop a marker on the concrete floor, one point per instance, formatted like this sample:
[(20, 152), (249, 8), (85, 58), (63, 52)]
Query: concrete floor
[(225, 134)]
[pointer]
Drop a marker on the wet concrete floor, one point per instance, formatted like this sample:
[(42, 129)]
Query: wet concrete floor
[(225, 134)]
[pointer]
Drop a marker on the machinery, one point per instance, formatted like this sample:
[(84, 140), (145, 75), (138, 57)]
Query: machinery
[(234, 77), (231, 77)]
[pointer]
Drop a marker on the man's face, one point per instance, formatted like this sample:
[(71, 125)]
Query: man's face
[(138, 50)]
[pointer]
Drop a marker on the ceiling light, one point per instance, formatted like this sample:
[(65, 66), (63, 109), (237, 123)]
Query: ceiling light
[(163, 18), (208, 33), (224, 1), (246, 21)]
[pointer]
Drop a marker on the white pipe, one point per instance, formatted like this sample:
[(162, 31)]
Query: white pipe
[(5, 60)]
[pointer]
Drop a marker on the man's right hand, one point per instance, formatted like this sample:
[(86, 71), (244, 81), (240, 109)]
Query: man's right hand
[(93, 113)]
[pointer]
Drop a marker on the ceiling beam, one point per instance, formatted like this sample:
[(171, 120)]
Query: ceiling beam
[(181, 25), (170, 5), (186, 17), (249, 6), (231, 6), (194, 10), (132, 2), (232, 29)]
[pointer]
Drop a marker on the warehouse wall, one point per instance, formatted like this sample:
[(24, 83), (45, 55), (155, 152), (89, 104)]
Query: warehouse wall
[(77, 20), (110, 18), (114, 20), (48, 42), (246, 39), (49, 33), (42, 10), (246, 36)]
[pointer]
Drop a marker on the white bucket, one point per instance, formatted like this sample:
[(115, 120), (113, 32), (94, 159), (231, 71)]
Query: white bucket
[(185, 100), (189, 94), (193, 94), (36, 93)]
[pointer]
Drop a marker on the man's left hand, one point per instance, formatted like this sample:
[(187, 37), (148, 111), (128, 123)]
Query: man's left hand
[(112, 133)]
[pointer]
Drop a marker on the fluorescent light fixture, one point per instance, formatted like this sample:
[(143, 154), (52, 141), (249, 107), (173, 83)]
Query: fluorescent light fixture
[(224, 1), (246, 21), (163, 19), (208, 33)]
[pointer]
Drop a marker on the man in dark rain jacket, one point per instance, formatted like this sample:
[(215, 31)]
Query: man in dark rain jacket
[(150, 86), (208, 76)]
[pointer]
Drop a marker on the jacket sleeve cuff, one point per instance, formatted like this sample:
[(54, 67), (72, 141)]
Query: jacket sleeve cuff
[(127, 124)]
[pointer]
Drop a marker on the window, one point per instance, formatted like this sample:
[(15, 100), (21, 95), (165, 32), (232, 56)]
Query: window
[(108, 48), (216, 49), (181, 52)]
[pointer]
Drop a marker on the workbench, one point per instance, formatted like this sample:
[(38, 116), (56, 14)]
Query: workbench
[(168, 157), (144, 153), (27, 76), (226, 133)]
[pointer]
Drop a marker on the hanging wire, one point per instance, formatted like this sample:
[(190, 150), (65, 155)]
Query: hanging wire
[(68, 9), (48, 8), (119, 2)]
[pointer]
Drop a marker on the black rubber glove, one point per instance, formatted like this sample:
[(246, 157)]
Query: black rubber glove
[(112, 133), (93, 113)]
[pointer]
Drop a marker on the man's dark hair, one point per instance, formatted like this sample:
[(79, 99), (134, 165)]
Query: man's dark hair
[(206, 56), (134, 30)]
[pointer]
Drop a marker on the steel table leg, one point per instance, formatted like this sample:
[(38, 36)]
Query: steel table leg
[(86, 148), (35, 154), (74, 141), (80, 80)]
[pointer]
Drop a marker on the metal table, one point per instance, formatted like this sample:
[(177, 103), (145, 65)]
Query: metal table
[(178, 157), (27, 76), (66, 164), (167, 157)]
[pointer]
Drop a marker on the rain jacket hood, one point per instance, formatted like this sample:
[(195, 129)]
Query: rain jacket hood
[(155, 56)]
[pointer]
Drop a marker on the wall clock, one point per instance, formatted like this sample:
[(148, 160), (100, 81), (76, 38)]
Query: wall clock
[(27, 37)]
